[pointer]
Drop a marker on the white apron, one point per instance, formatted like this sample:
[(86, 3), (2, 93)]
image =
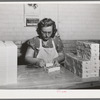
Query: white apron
[(47, 54)]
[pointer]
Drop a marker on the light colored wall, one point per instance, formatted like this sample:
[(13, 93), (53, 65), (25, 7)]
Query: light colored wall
[(79, 21), (50, 11), (12, 23), (12, 26), (74, 21)]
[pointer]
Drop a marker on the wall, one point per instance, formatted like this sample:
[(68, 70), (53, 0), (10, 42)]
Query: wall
[(50, 11), (74, 21), (79, 21), (12, 25)]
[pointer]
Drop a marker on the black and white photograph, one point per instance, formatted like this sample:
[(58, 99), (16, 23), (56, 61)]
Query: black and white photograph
[(50, 46)]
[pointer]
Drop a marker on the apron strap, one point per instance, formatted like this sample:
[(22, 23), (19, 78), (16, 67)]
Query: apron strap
[(53, 44), (40, 43)]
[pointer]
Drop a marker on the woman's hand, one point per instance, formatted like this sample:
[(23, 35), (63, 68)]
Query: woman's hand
[(55, 62), (41, 63)]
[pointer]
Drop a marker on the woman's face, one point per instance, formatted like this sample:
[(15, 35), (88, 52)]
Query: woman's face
[(46, 33)]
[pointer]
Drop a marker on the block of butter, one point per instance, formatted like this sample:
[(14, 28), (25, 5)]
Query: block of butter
[(49, 64), (50, 68)]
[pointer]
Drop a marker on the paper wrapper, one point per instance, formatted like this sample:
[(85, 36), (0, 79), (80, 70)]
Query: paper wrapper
[(81, 67), (87, 50)]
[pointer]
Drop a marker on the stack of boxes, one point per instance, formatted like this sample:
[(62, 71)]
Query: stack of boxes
[(86, 63), (3, 59), (8, 63)]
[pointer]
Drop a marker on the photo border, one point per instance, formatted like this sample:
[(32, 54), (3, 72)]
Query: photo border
[(48, 94)]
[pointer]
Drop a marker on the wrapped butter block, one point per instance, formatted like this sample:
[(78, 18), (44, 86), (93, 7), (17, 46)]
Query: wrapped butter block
[(91, 72), (87, 50), (83, 73), (49, 64), (94, 71), (95, 65), (95, 61), (95, 75), (11, 55), (86, 75), (51, 68)]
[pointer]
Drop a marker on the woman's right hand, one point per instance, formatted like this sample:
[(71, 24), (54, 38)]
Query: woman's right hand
[(41, 63)]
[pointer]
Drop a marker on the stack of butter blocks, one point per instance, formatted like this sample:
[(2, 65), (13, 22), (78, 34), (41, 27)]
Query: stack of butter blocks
[(50, 68), (8, 63), (86, 63)]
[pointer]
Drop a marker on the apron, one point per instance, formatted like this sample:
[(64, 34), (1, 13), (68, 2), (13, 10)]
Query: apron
[(47, 54)]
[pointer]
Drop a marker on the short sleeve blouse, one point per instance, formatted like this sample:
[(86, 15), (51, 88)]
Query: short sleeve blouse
[(34, 43)]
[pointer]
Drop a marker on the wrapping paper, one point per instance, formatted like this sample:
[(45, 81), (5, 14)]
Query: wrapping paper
[(87, 50), (81, 67)]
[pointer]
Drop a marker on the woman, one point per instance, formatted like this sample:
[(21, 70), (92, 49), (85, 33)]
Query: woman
[(46, 47)]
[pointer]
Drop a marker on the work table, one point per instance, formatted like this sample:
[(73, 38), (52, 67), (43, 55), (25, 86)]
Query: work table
[(37, 78)]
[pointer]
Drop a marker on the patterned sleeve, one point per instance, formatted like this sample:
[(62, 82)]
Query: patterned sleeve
[(58, 44), (33, 43)]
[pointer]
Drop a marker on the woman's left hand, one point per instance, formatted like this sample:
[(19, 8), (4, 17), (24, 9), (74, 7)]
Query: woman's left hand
[(55, 62)]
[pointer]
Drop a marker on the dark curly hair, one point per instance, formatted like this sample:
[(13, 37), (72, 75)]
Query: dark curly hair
[(45, 23)]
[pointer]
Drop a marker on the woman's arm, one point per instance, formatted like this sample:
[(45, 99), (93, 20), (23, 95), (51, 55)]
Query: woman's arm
[(60, 58), (29, 58), (59, 48)]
